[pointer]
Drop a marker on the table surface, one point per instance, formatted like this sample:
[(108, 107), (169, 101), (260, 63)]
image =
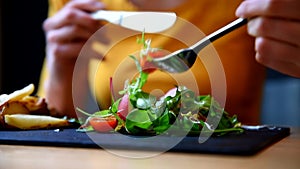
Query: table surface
[(283, 154)]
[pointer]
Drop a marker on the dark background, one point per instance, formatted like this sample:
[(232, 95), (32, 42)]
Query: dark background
[(22, 43)]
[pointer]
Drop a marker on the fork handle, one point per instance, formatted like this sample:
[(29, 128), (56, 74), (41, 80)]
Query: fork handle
[(219, 33)]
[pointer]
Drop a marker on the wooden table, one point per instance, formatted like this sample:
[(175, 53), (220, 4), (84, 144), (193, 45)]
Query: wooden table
[(284, 154)]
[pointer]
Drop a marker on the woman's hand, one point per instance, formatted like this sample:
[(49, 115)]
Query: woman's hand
[(68, 30), (66, 33), (276, 26)]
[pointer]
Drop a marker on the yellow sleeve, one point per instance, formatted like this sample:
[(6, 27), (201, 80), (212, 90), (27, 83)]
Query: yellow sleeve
[(53, 7)]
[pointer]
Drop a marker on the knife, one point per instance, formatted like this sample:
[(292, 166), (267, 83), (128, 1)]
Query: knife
[(148, 22)]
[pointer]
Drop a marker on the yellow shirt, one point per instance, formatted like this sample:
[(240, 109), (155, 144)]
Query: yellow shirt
[(243, 76)]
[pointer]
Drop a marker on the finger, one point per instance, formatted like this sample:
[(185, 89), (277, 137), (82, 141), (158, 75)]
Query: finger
[(271, 49), (70, 17), (274, 28), (284, 67), (275, 8), (278, 55), (73, 13), (71, 51), (68, 34), (86, 5), (64, 51)]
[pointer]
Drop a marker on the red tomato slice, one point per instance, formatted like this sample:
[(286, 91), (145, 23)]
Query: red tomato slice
[(103, 124), (147, 66)]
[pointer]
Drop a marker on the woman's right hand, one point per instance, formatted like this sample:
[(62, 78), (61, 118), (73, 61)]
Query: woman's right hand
[(66, 33), (68, 30)]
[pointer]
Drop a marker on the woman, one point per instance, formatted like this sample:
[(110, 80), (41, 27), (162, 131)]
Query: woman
[(69, 26)]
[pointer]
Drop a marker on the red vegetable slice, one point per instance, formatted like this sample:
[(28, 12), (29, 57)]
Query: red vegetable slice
[(123, 107), (147, 66), (103, 124)]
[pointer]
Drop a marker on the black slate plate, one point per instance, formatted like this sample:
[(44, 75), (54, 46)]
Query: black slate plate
[(248, 143)]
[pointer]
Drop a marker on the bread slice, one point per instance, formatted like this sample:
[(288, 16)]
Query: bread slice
[(28, 122)]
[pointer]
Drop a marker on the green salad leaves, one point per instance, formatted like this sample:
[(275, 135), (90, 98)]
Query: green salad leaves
[(180, 112)]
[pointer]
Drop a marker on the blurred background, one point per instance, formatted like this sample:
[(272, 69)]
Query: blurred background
[(281, 101), (22, 48), (22, 51)]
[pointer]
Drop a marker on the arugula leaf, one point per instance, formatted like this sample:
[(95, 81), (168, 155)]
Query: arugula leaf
[(138, 122)]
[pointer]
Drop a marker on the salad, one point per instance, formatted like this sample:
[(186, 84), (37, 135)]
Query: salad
[(140, 113)]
